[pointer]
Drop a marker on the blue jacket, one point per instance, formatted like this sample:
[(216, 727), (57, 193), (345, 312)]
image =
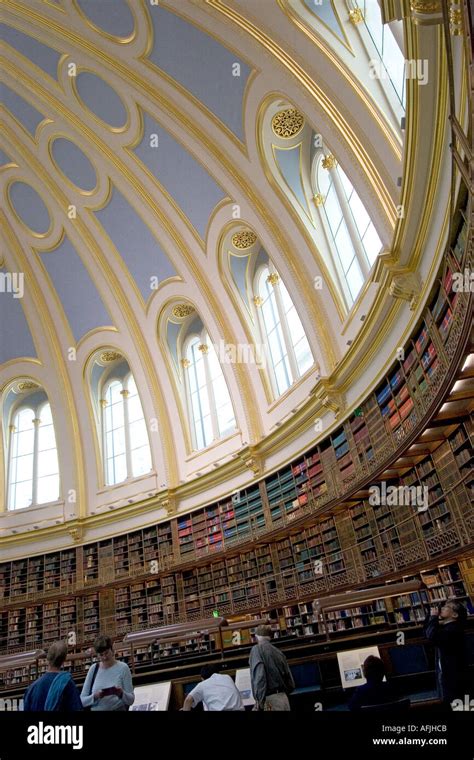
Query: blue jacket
[(64, 695)]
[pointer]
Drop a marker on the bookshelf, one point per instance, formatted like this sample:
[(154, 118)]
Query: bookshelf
[(362, 516), (396, 394), (461, 443), (91, 564), (91, 624), (438, 515), (248, 509), (359, 433), (386, 528), (282, 493), (443, 582), (345, 463), (18, 578)]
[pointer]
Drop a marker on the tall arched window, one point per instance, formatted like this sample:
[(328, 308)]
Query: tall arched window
[(33, 463), (388, 50), (351, 230), (125, 437), (287, 347), (209, 405)]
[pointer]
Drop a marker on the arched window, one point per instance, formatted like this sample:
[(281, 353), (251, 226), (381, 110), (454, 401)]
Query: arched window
[(210, 408), (125, 437), (287, 347), (392, 62), (351, 231), (33, 462)]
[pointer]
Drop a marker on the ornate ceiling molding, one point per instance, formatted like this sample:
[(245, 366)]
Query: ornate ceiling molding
[(243, 240), (288, 123), (182, 310)]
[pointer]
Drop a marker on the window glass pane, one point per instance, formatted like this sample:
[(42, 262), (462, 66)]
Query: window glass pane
[(295, 326), (46, 416), (304, 357), (135, 411), (355, 279), (345, 181), (275, 343), (22, 495), (114, 422), (224, 410), (226, 419), (372, 243), (345, 247), (141, 460), (120, 467), (394, 60), (387, 48), (47, 463), (198, 395), (333, 210), (24, 441), (138, 434), (110, 472), (373, 22), (48, 489), (221, 394), (119, 441), (24, 468), (47, 439), (23, 420), (359, 213), (207, 426), (21, 460), (285, 296), (324, 179), (282, 377), (114, 393)]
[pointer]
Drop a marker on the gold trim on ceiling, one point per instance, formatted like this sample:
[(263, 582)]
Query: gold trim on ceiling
[(182, 310), (287, 123), (244, 239)]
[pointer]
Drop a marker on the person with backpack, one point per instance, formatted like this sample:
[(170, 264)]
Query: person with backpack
[(108, 684), (55, 690)]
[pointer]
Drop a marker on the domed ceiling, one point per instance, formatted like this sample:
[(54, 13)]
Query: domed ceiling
[(136, 150)]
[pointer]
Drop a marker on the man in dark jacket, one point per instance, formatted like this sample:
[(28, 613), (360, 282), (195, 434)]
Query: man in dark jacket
[(445, 628), (269, 672), (375, 691)]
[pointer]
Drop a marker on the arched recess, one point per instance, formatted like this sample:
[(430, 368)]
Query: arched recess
[(122, 430), (291, 149), (268, 310), (31, 468), (197, 361)]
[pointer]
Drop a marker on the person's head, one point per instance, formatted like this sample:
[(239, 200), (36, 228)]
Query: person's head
[(104, 648), (263, 633), (207, 671), (57, 653), (373, 669), (452, 610)]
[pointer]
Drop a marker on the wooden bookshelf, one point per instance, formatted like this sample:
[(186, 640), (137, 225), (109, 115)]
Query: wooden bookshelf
[(147, 577)]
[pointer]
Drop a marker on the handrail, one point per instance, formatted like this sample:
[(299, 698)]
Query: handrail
[(350, 599), (150, 635), (21, 659)]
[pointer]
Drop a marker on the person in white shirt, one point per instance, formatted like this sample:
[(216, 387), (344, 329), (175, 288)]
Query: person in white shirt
[(216, 691)]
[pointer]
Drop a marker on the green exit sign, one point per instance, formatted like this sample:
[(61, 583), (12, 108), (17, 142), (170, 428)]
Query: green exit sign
[(358, 412), (215, 613)]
